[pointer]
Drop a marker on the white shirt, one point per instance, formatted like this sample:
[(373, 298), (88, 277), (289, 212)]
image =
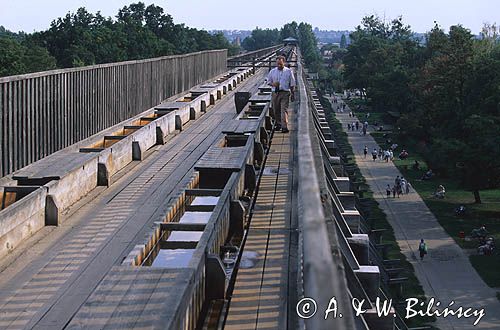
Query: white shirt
[(284, 77)]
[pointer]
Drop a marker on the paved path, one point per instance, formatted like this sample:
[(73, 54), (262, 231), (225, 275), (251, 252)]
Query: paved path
[(446, 272)]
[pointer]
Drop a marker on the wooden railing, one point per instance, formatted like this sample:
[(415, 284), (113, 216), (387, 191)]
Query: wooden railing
[(43, 112), (322, 271)]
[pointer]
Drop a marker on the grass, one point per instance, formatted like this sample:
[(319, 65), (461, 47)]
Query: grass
[(377, 219), (487, 213)]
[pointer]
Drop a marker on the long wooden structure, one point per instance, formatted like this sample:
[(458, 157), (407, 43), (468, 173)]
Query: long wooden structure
[(41, 113)]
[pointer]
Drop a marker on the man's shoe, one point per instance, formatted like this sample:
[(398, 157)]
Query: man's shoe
[(284, 130), (278, 127)]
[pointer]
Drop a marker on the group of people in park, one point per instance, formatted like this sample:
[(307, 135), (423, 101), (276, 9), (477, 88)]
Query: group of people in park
[(339, 107), (401, 187), (380, 154), (358, 127)]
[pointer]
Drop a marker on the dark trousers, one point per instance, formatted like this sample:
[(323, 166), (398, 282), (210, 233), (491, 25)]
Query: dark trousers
[(280, 107)]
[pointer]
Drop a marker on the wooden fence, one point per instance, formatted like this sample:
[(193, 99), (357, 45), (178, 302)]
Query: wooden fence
[(41, 113)]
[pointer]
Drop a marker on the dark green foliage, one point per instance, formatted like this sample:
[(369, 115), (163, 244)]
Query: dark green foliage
[(18, 56), (445, 93), (289, 30), (343, 41), (261, 38), (382, 59), (83, 38)]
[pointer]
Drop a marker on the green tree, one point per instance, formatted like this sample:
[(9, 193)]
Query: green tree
[(447, 91), (83, 38), (289, 30), (261, 38), (18, 57), (11, 57), (343, 41), (382, 59)]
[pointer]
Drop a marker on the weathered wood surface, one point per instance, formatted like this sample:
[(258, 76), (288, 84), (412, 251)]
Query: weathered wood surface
[(260, 98), (264, 293), (242, 127), (128, 294), (55, 167), (254, 54), (45, 289), (43, 112), (223, 158), (323, 277)]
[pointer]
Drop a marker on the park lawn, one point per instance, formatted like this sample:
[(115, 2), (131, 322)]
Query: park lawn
[(476, 215)]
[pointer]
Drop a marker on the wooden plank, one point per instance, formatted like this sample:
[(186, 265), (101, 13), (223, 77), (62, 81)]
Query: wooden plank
[(15, 129), (2, 128), (110, 225), (200, 208), (109, 293), (22, 129), (203, 192), (131, 305), (175, 226), (32, 111)]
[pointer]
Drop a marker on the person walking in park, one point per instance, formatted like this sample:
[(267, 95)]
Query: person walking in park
[(393, 191), (408, 186), (422, 248), (365, 151), (388, 190), (403, 185), (357, 125), (282, 80), (397, 185), (374, 154)]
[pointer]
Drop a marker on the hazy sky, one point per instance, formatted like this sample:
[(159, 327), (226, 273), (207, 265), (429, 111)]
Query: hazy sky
[(28, 16)]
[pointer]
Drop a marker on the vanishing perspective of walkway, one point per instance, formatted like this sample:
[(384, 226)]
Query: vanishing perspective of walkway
[(46, 285), (446, 272), (263, 297)]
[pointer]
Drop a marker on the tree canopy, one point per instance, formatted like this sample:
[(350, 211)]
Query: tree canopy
[(446, 90), (261, 38), (83, 38)]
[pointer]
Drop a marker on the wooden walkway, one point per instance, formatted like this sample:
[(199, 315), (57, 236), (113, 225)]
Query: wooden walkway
[(264, 290), (50, 276)]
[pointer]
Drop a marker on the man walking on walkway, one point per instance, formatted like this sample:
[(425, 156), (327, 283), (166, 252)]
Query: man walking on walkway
[(283, 82), (422, 248)]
